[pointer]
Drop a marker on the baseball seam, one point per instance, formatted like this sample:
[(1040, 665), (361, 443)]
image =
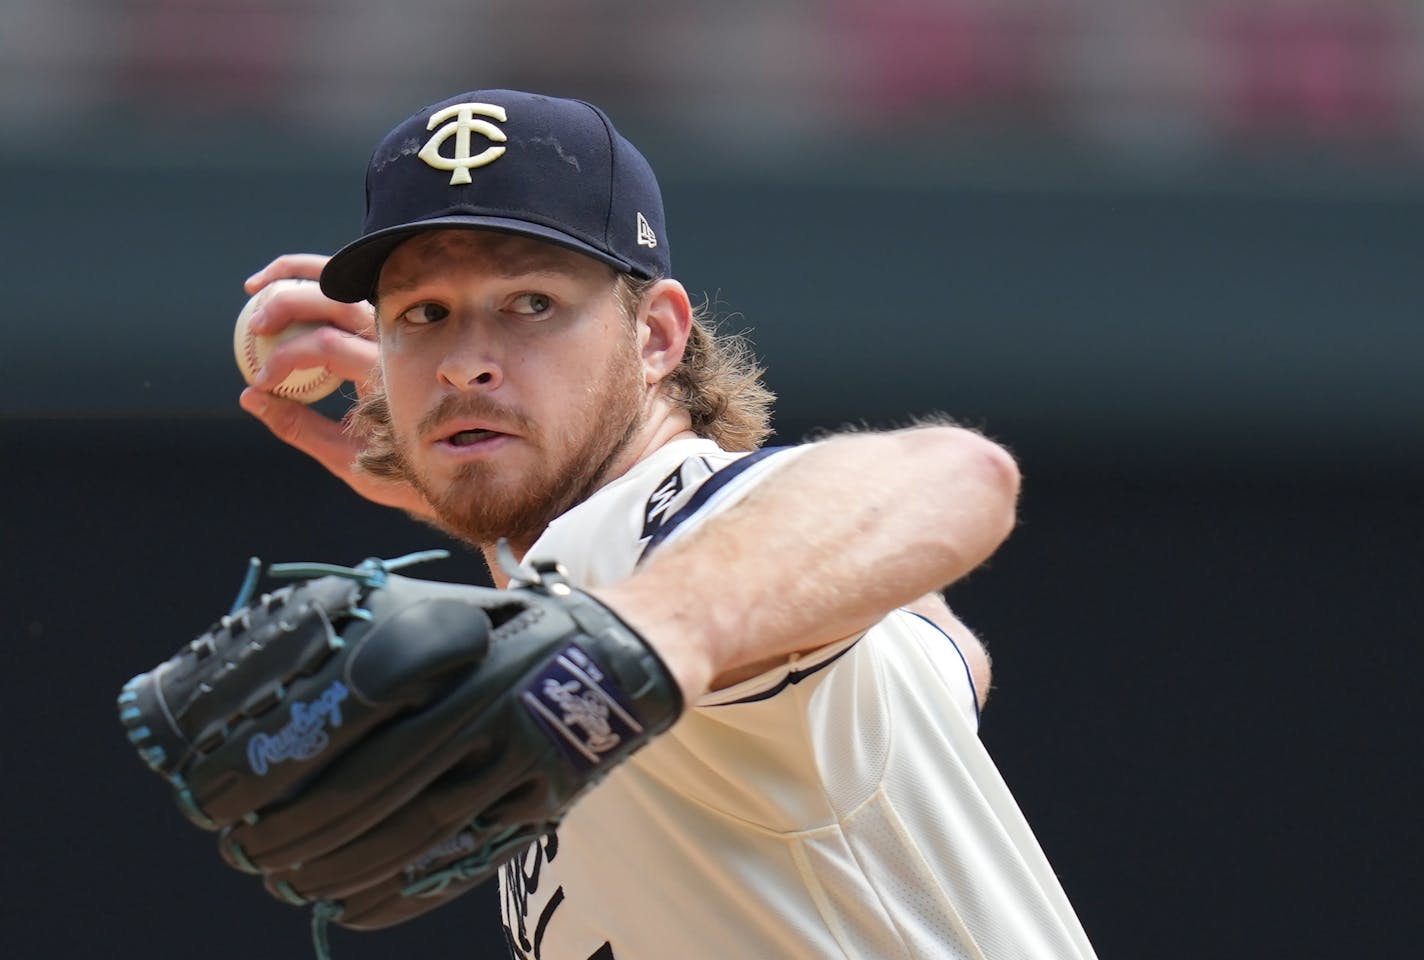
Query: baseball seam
[(286, 388)]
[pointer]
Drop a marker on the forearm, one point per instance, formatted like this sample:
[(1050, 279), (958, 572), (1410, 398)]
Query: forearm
[(853, 528)]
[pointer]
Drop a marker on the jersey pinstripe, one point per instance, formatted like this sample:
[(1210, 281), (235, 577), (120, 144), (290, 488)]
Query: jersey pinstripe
[(839, 805)]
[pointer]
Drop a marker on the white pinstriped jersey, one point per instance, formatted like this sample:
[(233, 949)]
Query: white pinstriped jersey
[(838, 806)]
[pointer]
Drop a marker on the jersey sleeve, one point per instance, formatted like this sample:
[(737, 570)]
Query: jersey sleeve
[(689, 505), (937, 651), (743, 750), (602, 540)]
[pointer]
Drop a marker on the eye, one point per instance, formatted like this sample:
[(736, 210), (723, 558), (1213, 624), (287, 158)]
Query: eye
[(531, 304), (424, 313)]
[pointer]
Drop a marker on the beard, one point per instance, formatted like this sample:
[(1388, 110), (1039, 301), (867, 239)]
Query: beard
[(481, 506)]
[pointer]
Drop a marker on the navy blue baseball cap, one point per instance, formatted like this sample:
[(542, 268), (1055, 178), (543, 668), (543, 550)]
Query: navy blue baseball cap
[(512, 162)]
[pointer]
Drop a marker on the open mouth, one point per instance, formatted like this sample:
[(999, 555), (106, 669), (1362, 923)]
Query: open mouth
[(466, 438)]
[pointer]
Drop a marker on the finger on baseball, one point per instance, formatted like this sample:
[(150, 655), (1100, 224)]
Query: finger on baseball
[(304, 266), (325, 441), (306, 304), (346, 355)]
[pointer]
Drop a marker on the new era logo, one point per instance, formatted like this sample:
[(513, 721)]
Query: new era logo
[(646, 237)]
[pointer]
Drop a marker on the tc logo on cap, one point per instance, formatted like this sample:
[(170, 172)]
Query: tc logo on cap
[(460, 128)]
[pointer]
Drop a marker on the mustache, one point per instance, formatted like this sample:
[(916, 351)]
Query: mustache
[(475, 407)]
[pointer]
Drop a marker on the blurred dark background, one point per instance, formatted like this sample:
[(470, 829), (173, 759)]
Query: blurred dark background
[(1170, 253)]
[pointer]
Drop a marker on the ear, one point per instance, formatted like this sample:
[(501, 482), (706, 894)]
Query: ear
[(664, 322)]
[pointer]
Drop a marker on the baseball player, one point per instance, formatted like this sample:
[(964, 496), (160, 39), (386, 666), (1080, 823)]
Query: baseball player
[(531, 373)]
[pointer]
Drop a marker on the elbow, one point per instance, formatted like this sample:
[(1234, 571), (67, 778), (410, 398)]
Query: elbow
[(998, 474), (983, 480), (1001, 472)]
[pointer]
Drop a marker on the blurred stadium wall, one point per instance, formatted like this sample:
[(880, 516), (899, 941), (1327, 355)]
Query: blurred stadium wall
[(1184, 222)]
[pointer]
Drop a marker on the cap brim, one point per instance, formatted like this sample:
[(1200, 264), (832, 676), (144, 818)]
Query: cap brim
[(350, 276)]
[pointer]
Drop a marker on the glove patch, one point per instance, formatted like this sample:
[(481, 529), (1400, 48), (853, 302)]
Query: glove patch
[(582, 711), (305, 734)]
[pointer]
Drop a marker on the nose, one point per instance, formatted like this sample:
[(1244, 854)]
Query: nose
[(470, 364)]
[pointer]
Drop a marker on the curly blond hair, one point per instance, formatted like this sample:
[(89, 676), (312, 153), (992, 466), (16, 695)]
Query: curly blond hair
[(719, 384)]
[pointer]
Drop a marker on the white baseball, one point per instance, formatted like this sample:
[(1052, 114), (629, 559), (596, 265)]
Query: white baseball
[(307, 385)]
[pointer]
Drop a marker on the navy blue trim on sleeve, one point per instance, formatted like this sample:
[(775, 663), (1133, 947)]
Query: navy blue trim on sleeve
[(795, 676), (709, 486), (969, 674)]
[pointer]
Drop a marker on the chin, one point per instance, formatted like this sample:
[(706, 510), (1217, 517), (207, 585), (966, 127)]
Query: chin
[(481, 511)]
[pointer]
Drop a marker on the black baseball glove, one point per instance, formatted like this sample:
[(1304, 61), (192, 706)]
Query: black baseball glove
[(376, 745)]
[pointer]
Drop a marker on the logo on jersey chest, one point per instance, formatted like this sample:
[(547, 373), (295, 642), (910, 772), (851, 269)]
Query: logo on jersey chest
[(520, 897), (520, 883)]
